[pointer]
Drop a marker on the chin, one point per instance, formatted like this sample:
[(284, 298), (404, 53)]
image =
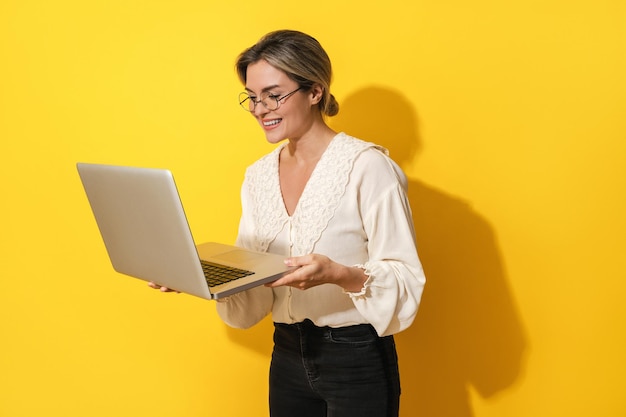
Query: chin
[(274, 138)]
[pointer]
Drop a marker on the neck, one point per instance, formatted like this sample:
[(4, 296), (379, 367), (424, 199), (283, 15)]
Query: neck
[(310, 146)]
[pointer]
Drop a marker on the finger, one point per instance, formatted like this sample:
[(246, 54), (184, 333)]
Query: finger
[(286, 279), (278, 283), (296, 279), (161, 288), (298, 260), (158, 287)]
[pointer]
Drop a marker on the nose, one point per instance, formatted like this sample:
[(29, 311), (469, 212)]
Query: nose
[(259, 109)]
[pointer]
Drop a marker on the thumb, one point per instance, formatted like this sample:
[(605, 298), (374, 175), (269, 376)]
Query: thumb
[(295, 261)]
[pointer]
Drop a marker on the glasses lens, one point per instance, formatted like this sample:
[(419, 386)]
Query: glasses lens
[(246, 102), (270, 101)]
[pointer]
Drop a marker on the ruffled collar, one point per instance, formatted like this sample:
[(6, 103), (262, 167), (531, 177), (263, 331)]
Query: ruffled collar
[(318, 202)]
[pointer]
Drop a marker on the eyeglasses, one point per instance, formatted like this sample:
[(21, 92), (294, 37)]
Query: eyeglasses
[(268, 100)]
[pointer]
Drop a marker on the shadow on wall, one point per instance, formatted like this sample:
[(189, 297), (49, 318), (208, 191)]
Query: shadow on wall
[(467, 332)]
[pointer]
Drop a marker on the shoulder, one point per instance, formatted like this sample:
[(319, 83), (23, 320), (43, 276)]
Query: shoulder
[(351, 146), (373, 164)]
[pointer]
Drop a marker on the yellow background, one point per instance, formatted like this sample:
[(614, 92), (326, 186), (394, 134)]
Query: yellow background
[(509, 117)]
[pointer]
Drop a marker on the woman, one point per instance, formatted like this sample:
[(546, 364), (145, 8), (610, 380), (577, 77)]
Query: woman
[(336, 207)]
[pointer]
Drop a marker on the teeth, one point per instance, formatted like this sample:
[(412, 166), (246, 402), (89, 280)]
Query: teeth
[(272, 122)]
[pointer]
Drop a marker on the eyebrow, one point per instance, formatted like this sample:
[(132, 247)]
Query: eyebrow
[(271, 87)]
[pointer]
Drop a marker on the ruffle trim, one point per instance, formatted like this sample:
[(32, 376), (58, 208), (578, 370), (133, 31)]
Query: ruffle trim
[(268, 208), (366, 284)]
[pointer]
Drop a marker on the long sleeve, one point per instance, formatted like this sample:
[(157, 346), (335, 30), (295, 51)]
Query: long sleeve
[(247, 308), (392, 292)]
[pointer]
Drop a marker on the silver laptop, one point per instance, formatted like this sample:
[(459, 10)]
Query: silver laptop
[(142, 222)]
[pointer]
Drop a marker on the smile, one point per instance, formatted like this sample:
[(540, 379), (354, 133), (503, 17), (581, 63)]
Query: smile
[(272, 122)]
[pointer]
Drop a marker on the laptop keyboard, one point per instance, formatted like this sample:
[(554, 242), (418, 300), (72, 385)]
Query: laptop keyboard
[(219, 274)]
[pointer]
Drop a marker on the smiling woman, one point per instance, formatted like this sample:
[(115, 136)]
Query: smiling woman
[(336, 207)]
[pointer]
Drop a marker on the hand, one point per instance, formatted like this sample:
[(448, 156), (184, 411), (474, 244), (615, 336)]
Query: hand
[(162, 289), (313, 270)]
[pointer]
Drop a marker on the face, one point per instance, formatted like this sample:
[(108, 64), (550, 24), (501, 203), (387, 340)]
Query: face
[(295, 114)]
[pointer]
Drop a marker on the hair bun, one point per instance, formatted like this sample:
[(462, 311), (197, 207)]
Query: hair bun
[(332, 108)]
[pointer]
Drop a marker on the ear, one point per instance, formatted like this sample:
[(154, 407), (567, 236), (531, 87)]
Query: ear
[(316, 94)]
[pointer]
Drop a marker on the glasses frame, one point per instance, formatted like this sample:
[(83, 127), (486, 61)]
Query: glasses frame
[(247, 108)]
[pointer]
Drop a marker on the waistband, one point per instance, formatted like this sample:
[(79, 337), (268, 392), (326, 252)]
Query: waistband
[(307, 326)]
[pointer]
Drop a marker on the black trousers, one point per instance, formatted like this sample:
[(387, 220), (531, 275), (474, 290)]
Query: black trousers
[(343, 372)]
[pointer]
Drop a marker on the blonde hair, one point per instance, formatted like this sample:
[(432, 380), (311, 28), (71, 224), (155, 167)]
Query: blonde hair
[(297, 54)]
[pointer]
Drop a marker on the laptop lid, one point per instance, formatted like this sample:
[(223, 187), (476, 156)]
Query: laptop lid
[(146, 234)]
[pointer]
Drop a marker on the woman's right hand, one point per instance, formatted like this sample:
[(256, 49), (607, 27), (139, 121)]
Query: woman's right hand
[(161, 288)]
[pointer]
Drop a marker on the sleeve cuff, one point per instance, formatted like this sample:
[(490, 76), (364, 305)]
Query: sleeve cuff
[(366, 284)]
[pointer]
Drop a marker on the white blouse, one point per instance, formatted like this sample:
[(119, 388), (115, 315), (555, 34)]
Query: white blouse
[(354, 209)]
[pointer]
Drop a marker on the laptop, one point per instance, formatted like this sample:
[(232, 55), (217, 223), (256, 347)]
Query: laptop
[(146, 234)]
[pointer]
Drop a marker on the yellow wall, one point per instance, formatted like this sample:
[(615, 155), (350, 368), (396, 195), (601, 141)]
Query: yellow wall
[(508, 117)]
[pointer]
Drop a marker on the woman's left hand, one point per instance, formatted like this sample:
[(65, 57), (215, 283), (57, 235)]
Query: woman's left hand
[(314, 269)]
